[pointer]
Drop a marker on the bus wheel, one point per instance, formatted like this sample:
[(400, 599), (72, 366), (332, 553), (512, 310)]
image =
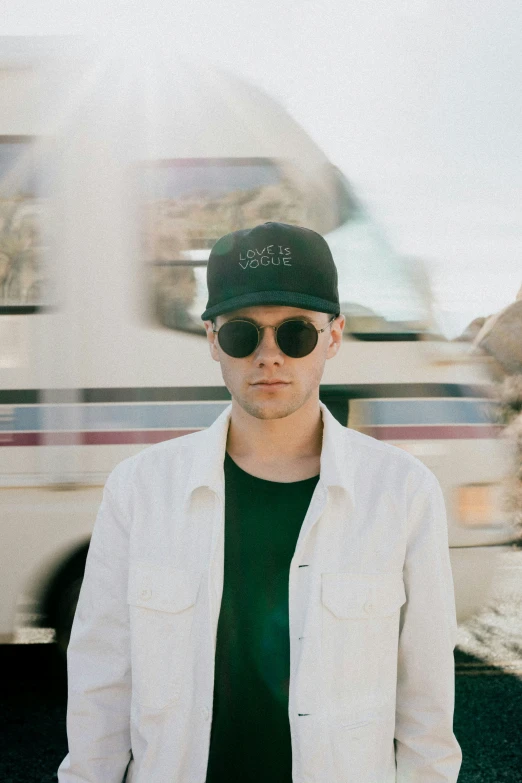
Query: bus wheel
[(65, 611)]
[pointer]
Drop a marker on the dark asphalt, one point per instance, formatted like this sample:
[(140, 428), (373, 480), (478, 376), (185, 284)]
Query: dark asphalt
[(33, 698)]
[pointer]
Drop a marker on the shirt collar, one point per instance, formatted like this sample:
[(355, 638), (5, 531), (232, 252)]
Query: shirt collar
[(336, 465)]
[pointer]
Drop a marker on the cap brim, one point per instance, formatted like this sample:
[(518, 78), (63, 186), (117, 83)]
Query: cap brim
[(288, 298)]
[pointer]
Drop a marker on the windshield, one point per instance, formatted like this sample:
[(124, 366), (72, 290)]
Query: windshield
[(379, 290), (190, 204)]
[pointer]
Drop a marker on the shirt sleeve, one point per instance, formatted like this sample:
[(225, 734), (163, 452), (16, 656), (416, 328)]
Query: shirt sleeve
[(98, 658), (426, 749)]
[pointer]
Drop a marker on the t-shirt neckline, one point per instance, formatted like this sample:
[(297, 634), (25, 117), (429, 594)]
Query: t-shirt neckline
[(236, 467)]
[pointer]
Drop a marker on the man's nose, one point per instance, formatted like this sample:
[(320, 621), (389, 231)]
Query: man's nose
[(267, 343)]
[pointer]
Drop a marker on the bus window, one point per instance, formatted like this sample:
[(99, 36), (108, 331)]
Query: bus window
[(190, 203), (21, 278)]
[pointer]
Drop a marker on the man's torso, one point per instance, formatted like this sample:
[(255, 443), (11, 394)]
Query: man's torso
[(250, 737)]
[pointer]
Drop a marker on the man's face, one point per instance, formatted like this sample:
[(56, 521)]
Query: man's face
[(302, 376)]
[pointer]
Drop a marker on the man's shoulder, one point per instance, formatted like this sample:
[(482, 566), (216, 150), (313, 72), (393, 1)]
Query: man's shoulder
[(155, 458), (371, 450)]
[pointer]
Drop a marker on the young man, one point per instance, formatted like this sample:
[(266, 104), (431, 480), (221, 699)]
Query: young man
[(269, 599)]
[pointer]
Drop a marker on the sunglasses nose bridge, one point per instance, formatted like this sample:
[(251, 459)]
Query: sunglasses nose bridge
[(272, 339)]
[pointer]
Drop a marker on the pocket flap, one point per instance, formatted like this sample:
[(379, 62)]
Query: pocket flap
[(162, 587), (352, 595), (357, 718)]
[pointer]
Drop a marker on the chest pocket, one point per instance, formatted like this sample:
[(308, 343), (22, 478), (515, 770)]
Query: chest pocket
[(360, 596), (360, 635), (161, 607)]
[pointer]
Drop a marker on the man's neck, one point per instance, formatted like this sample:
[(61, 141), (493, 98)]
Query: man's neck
[(296, 438)]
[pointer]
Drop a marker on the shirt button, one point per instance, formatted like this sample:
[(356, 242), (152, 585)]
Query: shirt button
[(368, 606), (146, 593), (205, 712)]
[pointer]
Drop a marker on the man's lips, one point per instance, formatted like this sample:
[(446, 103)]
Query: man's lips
[(270, 383), (272, 386)]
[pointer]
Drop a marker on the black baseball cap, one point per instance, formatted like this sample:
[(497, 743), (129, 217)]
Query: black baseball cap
[(273, 263)]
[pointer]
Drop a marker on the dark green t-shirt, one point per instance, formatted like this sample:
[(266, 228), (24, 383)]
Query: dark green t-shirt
[(250, 733)]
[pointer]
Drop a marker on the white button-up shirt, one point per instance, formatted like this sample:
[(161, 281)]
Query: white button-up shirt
[(372, 619)]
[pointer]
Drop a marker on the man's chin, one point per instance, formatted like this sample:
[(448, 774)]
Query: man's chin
[(268, 409)]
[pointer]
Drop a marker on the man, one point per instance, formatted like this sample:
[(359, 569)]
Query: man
[(270, 598)]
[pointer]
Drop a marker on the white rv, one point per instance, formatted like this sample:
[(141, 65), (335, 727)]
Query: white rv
[(115, 180)]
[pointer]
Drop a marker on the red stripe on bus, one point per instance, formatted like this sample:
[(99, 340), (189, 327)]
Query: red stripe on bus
[(432, 431), (107, 438)]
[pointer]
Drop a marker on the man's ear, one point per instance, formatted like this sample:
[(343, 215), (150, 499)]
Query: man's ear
[(336, 336), (211, 337)]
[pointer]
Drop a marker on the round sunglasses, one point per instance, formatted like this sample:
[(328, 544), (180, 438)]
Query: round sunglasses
[(295, 338)]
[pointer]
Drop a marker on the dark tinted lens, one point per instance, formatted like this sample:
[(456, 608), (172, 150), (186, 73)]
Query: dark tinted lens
[(238, 338), (297, 338)]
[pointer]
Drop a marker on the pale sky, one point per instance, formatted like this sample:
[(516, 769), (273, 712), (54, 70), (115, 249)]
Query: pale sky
[(418, 101)]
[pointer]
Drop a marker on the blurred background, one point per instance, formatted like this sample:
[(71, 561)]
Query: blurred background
[(132, 137)]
